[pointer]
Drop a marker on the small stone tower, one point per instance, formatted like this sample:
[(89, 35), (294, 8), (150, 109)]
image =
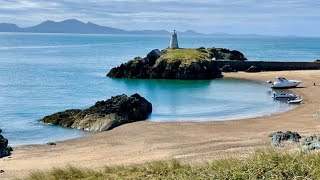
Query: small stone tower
[(174, 41)]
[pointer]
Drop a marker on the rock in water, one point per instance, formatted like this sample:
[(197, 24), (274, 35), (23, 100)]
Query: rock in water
[(104, 115), (5, 150), (279, 137)]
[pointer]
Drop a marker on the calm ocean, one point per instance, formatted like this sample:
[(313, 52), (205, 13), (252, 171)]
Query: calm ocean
[(44, 73)]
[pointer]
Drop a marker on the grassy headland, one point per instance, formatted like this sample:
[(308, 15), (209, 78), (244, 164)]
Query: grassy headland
[(268, 164)]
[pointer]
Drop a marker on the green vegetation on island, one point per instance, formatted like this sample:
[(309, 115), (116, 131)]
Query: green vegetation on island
[(186, 56), (268, 164)]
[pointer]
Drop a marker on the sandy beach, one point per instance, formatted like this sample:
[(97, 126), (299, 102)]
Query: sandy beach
[(141, 142)]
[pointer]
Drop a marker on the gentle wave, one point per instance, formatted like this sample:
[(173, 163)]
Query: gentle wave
[(60, 46)]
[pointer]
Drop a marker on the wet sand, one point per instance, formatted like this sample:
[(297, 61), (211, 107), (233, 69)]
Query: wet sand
[(199, 142)]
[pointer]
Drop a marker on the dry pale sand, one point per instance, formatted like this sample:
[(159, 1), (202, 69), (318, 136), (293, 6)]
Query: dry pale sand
[(141, 142)]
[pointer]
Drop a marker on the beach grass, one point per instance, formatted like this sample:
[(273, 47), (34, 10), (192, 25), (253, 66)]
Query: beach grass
[(183, 55), (266, 164)]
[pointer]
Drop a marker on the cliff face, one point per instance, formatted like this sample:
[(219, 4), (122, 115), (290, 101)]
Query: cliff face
[(176, 64), (104, 115)]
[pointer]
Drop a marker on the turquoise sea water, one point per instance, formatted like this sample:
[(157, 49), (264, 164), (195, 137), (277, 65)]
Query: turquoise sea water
[(44, 73)]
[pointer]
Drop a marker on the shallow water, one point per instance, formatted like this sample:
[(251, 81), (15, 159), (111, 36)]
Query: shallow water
[(41, 74)]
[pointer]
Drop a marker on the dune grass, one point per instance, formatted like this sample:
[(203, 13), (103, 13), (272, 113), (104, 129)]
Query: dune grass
[(267, 164), (183, 55)]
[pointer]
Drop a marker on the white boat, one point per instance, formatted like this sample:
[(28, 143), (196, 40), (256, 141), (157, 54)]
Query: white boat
[(284, 83), (295, 101), (285, 96)]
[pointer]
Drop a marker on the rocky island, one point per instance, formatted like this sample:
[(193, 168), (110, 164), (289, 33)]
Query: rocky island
[(177, 64), (104, 115)]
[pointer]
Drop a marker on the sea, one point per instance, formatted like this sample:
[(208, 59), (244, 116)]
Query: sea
[(41, 74)]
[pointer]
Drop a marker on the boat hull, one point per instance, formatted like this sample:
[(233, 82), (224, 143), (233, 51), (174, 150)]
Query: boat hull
[(285, 86), (284, 98), (297, 101)]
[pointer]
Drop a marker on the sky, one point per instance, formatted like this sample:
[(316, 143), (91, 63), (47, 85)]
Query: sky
[(267, 17)]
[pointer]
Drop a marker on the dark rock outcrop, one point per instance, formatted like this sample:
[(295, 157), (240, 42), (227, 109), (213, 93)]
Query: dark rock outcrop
[(225, 54), (311, 142), (104, 115), (176, 64), (253, 69), (279, 137), (153, 56), (5, 150)]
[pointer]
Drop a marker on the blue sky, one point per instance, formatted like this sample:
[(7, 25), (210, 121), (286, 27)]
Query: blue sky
[(271, 17)]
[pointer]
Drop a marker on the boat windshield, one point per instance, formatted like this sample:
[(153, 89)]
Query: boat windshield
[(281, 79)]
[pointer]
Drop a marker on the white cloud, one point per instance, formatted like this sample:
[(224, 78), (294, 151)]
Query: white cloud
[(26, 4)]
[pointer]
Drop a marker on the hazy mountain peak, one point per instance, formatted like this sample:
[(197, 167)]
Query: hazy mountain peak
[(75, 26), (8, 27), (72, 21)]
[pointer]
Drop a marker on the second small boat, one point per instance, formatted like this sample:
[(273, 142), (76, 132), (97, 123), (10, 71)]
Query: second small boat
[(284, 96), (295, 101)]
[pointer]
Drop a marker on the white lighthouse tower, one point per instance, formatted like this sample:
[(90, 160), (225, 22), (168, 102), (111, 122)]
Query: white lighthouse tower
[(174, 41)]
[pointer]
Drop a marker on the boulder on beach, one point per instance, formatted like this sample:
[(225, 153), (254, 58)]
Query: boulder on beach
[(279, 137), (5, 150), (104, 115), (176, 64), (311, 142)]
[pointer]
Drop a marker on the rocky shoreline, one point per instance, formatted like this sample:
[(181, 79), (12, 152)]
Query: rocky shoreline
[(310, 142), (5, 150), (104, 115), (177, 64)]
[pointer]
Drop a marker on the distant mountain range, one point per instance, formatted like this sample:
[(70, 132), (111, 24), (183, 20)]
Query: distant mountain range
[(74, 26)]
